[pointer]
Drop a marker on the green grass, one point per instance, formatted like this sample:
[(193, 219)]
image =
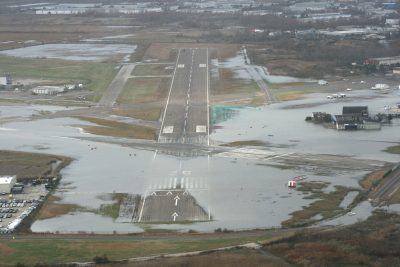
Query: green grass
[(118, 129), (246, 143), (28, 165), (151, 69), (393, 149), (145, 113), (139, 90), (94, 75), (61, 251), (327, 206)]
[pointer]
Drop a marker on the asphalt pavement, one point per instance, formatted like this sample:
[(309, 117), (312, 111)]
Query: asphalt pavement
[(186, 116)]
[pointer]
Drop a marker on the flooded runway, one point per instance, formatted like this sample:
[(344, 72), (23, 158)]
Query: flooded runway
[(234, 192), (171, 206)]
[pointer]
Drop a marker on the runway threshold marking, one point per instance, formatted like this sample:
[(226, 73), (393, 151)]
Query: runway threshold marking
[(201, 128), (168, 129)]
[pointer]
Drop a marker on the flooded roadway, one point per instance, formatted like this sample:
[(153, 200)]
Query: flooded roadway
[(242, 193)]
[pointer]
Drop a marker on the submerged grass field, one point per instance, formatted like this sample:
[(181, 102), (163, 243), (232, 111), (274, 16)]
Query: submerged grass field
[(145, 113), (393, 149), (118, 129), (327, 205)]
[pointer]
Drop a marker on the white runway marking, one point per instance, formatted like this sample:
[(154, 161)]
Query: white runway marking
[(208, 104), (201, 129), (182, 180), (169, 95), (141, 210), (181, 66), (168, 129), (202, 65), (175, 180)]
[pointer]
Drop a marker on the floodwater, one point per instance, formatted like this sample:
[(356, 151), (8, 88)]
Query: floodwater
[(242, 70), (283, 124), (85, 52), (109, 38), (238, 193)]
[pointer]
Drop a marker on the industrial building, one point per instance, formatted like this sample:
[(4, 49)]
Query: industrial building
[(383, 61), (355, 118), (7, 183), (47, 90), (6, 80)]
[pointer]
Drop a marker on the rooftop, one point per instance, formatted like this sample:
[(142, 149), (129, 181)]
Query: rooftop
[(6, 179)]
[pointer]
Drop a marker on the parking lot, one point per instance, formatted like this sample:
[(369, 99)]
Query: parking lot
[(14, 208)]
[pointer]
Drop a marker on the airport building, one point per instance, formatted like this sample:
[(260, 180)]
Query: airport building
[(47, 90), (383, 61), (7, 183)]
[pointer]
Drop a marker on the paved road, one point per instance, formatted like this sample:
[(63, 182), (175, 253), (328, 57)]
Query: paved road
[(116, 86), (256, 73), (186, 115), (390, 186)]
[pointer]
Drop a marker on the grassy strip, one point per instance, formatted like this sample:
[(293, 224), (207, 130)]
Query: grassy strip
[(373, 179), (228, 84), (96, 76), (151, 69), (288, 95), (139, 90), (326, 207), (149, 114), (374, 242), (393, 149), (245, 143), (112, 210), (29, 165), (51, 208), (118, 129), (62, 251), (258, 100)]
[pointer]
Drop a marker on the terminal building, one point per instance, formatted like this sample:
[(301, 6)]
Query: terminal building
[(7, 183)]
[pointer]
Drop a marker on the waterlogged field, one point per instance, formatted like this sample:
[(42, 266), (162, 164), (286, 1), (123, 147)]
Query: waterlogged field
[(77, 52), (254, 191)]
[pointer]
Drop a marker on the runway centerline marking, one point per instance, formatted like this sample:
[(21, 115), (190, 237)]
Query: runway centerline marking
[(208, 103)]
